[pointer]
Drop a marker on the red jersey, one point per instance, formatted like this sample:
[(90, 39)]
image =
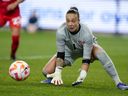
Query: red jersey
[(3, 9)]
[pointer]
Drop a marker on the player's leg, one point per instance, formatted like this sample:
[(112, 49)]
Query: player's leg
[(106, 61), (15, 25), (2, 21), (49, 68)]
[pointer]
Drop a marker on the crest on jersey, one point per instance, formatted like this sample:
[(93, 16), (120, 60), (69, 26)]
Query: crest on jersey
[(81, 42)]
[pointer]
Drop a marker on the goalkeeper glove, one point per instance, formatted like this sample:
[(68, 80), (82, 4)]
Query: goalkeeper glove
[(56, 77), (81, 78)]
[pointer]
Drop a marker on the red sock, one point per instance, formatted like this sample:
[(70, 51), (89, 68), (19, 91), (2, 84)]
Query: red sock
[(15, 44)]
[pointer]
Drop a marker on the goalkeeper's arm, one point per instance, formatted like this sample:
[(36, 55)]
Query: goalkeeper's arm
[(57, 80), (83, 73)]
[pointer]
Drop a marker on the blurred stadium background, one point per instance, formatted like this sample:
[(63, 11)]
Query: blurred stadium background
[(101, 15), (105, 18)]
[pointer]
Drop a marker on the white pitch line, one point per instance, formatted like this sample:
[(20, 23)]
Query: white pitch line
[(27, 57)]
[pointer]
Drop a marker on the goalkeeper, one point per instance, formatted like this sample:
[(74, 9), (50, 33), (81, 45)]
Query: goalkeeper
[(75, 40)]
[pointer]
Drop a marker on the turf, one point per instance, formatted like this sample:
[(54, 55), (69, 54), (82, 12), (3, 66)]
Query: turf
[(36, 49)]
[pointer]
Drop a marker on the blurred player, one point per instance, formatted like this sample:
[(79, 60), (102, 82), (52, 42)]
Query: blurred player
[(75, 40), (10, 12), (32, 26)]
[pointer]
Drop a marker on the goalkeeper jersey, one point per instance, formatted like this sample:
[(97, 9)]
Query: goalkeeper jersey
[(81, 42)]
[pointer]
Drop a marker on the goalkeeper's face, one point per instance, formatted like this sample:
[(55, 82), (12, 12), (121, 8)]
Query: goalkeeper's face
[(72, 22)]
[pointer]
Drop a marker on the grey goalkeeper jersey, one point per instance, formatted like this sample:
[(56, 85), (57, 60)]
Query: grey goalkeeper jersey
[(82, 42)]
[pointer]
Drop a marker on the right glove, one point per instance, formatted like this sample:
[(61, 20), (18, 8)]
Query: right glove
[(57, 80)]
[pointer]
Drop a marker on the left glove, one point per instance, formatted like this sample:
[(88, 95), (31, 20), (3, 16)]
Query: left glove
[(80, 79)]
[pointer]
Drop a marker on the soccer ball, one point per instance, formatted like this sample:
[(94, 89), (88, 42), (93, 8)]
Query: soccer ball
[(19, 70)]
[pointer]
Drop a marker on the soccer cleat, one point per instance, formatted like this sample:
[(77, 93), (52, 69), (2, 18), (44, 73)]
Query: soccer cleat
[(76, 83), (122, 86), (13, 57), (47, 81)]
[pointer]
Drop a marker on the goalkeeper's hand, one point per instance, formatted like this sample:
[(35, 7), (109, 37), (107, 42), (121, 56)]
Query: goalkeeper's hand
[(81, 78), (57, 80), (78, 81)]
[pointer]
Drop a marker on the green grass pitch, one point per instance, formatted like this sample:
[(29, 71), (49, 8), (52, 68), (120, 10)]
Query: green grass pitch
[(36, 50)]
